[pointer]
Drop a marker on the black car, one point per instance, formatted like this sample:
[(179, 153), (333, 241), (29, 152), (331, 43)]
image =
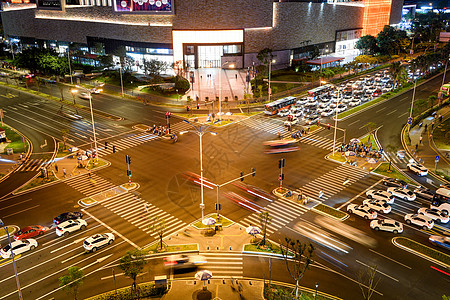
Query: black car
[(394, 182), (424, 193), (67, 216)]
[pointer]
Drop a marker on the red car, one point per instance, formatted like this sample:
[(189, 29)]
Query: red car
[(377, 93), (29, 232), (197, 180)]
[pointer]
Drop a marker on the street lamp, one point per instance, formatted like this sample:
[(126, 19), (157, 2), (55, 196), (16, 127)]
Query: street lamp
[(412, 105), (335, 121), (200, 131), (315, 294), (13, 261), (92, 120), (70, 68), (270, 71), (121, 80), (220, 88)]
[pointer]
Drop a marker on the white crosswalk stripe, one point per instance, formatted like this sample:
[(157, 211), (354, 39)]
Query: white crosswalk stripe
[(140, 213), (318, 141), (127, 142), (34, 164), (180, 126), (89, 187), (282, 212), (224, 264), (333, 182), (398, 160)]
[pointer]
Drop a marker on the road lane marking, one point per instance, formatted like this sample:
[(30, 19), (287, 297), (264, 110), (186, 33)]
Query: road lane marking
[(408, 267), (391, 112), (352, 123), (18, 212), (395, 279), (404, 114), (73, 243), (62, 239), (124, 238), (15, 204), (383, 108)]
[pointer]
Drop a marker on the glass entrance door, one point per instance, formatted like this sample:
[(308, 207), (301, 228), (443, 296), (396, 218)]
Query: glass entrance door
[(209, 56)]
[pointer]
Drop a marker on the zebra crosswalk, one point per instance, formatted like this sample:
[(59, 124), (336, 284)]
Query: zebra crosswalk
[(126, 142), (224, 264), (282, 212), (140, 213), (34, 164), (87, 186), (333, 182), (396, 159), (317, 141)]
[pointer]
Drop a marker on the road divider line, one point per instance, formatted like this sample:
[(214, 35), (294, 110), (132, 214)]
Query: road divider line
[(382, 273), (124, 238), (73, 243), (353, 199), (353, 123), (390, 113), (408, 267), (21, 211), (17, 203)]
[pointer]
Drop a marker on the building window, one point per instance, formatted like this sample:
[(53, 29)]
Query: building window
[(232, 49)]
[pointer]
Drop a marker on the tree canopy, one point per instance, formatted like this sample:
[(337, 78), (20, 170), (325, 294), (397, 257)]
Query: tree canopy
[(367, 44), (42, 60)]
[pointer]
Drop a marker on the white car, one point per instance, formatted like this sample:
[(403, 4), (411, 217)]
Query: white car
[(418, 169), (327, 112), (180, 261), (19, 246), (355, 102), (97, 241), (69, 226), (362, 211), (297, 113), (312, 119), (347, 99), (380, 195), (85, 96), (387, 225), (302, 101), (341, 108), (377, 205), (419, 220), (435, 214), (283, 113), (402, 193)]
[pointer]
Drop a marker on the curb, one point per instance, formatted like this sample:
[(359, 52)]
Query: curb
[(15, 228), (418, 253)]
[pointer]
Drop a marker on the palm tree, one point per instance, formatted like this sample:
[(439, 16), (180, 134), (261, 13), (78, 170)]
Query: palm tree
[(395, 69)]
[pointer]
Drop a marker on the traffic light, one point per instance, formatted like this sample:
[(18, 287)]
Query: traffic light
[(329, 126), (281, 177), (114, 149), (128, 159), (218, 206), (129, 173), (253, 172), (242, 176), (106, 145), (281, 163)]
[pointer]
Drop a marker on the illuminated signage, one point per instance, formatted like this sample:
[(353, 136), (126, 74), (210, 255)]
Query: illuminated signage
[(50, 4), (144, 6)]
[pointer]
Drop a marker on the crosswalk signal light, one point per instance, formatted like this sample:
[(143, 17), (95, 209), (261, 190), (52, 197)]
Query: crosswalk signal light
[(114, 149), (242, 176), (129, 173), (218, 206), (128, 159), (106, 145), (253, 172), (329, 126), (281, 163), (281, 177)]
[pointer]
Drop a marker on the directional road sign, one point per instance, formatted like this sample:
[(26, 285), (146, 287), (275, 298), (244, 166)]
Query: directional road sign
[(436, 159), (410, 120)]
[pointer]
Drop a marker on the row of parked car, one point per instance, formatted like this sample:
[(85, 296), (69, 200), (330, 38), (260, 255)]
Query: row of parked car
[(66, 223)]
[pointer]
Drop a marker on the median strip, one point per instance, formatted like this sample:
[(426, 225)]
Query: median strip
[(422, 250)]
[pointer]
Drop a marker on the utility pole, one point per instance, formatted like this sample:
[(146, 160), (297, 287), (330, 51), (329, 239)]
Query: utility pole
[(281, 166), (128, 160)]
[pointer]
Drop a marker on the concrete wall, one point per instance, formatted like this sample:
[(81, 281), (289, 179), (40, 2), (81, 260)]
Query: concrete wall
[(396, 12)]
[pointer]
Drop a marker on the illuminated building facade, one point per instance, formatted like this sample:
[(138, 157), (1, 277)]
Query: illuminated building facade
[(203, 34)]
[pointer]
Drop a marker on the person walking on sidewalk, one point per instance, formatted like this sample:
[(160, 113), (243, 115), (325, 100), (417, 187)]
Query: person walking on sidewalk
[(320, 194), (56, 168), (64, 172), (420, 139)]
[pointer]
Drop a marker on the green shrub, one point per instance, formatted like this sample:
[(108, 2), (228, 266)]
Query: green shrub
[(182, 84), (145, 290)]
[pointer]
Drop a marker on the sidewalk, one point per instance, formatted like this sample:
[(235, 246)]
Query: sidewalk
[(426, 151)]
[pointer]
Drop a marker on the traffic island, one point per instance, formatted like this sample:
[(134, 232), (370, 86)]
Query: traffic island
[(278, 291), (330, 212), (422, 250), (37, 182), (269, 248), (11, 230), (221, 222), (105, 195), (392, 172), (337, 157), (146, 290), (155, 248)]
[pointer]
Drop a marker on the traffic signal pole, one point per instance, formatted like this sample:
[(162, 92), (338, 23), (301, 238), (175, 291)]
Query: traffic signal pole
[(128, 160), (281, 166)]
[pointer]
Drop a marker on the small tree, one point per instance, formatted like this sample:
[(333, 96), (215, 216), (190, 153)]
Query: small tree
[(264, 219), (368, 281), (265, 56), (64, 135), (132, 264), (371, 126), (155, 67), (392, 149), (158, 225), (299, 263), (72, 281)]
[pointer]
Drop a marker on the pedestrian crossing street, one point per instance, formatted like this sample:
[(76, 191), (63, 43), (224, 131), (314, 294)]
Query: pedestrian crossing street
[(282, 212), (224, 264), (140, 213), (89, 187), (276, 126), (333, 182), (34, 164), (126, 142)]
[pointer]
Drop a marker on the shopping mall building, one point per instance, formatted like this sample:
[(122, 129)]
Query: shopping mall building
[(202, 33)]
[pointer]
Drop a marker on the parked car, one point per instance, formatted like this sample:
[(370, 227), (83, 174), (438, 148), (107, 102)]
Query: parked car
[(69, 226), (283, 113), (355, 102), (29, 232), (387, 225), (18, 247), (424, 193), (85, 96), (380, 195), (435, 214), (377, 93), (378, 205), (418, 169), (394, 182), (327, 112), (441, 241), (419, 220), (402, 193), (96, 241), (362, 210), (67, 216)]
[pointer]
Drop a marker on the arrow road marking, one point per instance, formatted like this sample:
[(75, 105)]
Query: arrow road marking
[(99, 260), (44, 145), (74, 242)]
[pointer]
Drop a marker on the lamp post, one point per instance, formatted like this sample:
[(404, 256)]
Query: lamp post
[(315, 294), (335, 121), (121, 80), (92, 120), (70, 68), (13, 261), (220, 90), (270, 71), (200, 131), (412, 105)]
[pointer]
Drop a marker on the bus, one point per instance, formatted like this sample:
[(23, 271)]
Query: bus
[(274, 107), (312, 94), (445, 90), (441, 200)]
